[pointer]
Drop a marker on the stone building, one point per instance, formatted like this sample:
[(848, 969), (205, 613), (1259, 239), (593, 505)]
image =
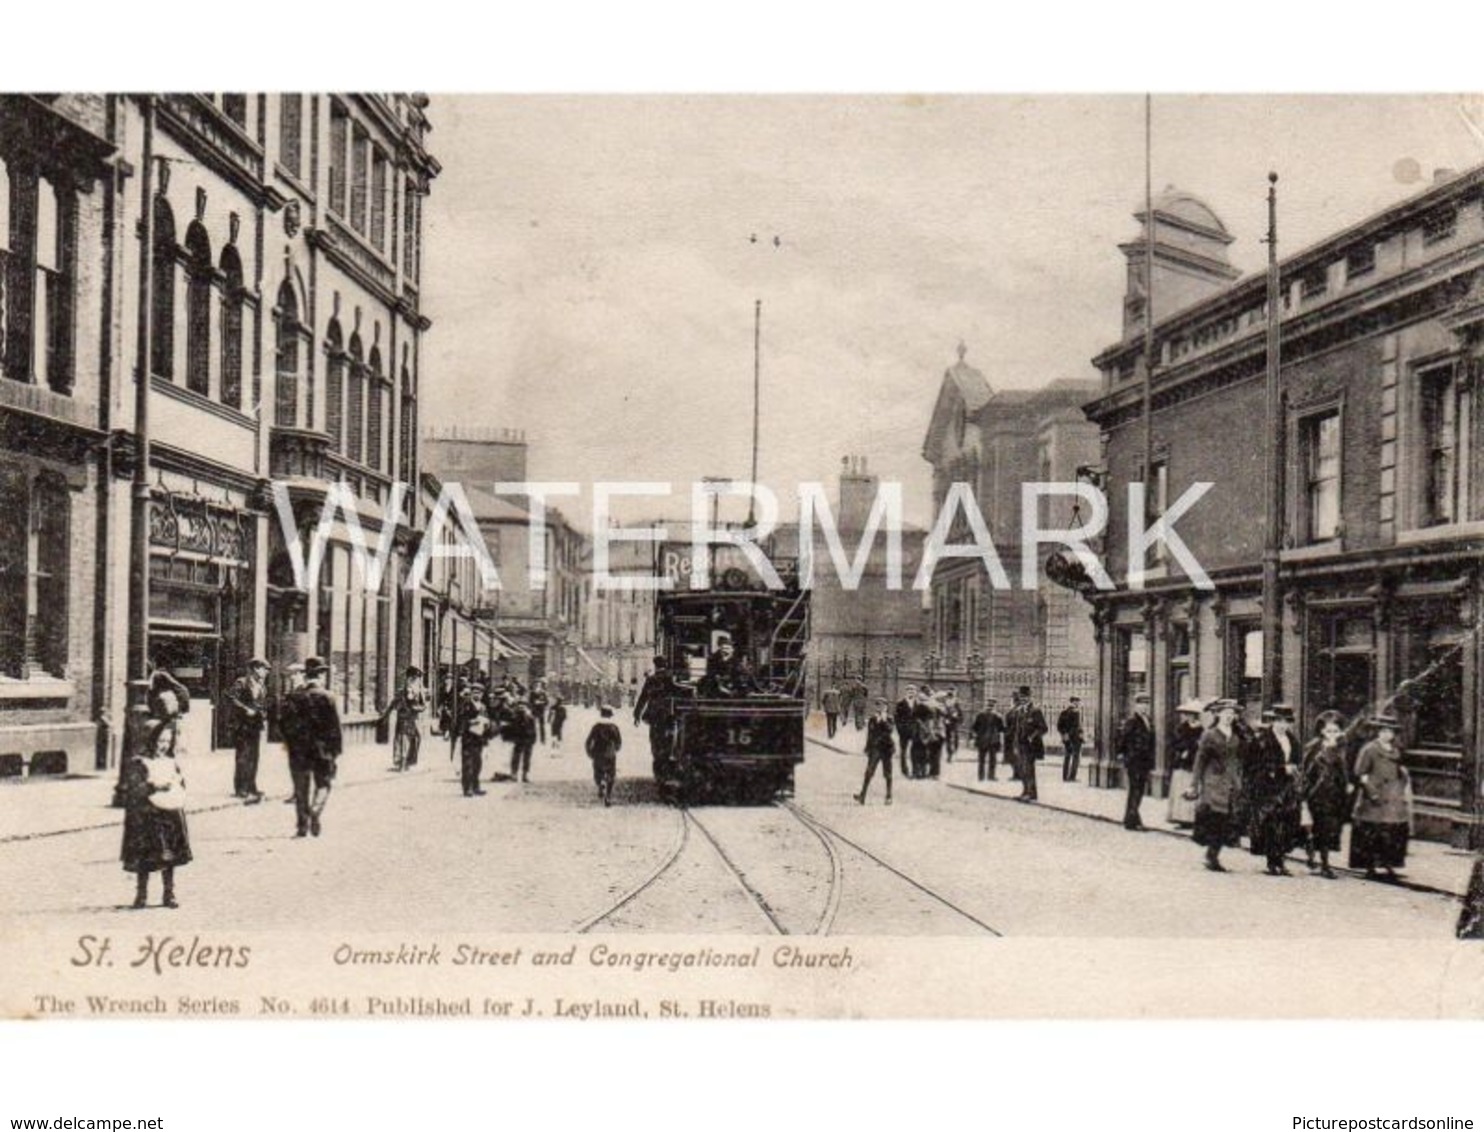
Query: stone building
[(1381, 483), (994, 441)]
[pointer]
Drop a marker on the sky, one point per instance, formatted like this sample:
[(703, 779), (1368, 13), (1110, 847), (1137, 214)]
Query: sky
[(591, 277)]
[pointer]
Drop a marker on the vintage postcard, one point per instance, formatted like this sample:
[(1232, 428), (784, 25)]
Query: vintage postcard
[(741, 557)]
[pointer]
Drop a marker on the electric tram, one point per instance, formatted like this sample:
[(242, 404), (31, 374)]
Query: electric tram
[(735, 702)]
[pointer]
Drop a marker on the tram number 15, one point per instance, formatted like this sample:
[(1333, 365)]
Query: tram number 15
[(739, 736)]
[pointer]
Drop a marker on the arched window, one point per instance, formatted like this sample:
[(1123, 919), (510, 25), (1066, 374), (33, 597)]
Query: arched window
[(407, 425), (232, 300), (355, 398), (198, 310), (286, 368), (335, 387), (375, 408), (162, 292)]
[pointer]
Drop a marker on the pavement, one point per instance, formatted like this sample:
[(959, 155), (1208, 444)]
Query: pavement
[(1431, 866)]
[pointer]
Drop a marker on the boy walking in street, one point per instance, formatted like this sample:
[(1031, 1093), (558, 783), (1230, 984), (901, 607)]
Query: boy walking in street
[(880, 749), (603, 743)]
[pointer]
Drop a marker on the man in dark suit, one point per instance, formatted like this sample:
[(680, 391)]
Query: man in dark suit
[(247, 705), (1069, 726), (1135, 749), (830, 702), (988, 730), (879, 749), (521, 731), (311, 731), (1027, 730), (654, 708)]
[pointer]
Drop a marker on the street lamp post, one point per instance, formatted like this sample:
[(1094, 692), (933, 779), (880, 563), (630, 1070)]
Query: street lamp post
[(976, 678), (930, 666)]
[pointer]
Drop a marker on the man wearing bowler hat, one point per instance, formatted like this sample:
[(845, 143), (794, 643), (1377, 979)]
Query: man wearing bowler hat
[(311, 731), (247, 708)]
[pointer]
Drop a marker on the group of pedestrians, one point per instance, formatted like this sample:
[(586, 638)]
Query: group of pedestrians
[(1262, 783), (481, 712), (849, 701)]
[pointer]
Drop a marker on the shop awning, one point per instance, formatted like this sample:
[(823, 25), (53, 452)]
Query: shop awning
[(590, 662), (479, 641)]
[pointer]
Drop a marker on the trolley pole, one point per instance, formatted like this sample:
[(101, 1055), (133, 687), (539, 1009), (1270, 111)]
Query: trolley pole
[(757, 386)]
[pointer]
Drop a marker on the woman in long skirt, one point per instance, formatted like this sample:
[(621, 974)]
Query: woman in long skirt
[(1326, 789), (1183, 746), (1383, 812), (1272, 796), (155, 835), (1216, 782)]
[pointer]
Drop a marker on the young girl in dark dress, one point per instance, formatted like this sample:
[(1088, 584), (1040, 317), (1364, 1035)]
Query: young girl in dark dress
[(155, 835)]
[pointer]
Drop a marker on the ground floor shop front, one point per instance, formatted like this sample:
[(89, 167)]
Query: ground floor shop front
[(1401, 633)]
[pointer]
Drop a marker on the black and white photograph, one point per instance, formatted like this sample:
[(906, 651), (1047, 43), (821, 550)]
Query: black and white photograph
[(605, 538)]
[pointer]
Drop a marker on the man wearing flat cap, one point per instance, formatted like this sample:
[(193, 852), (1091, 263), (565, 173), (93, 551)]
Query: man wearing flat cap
[(1135, 750), (247, 712), (311, 731)]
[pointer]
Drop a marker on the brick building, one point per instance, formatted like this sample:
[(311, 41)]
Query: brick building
[(1382, 484), (993, 441), (275, 315)]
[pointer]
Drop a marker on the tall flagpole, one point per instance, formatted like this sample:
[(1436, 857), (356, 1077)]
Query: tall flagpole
[(1272, 613)]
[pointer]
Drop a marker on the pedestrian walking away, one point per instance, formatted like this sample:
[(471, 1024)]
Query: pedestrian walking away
[(1215, 783), (830, 702), (312, 733), (602, 746), (1069, 727), (1383, 803), (988, 730), (880, 748), (655, 709), (247, 714), (1135, 750), (479, 729), (558, 716), (155, 834)]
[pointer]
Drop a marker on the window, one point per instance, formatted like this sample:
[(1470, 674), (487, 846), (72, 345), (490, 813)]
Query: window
[(407, 425), (359, 173), (1360, 261), (339, 136), (232, 299), (35, 518), (1342, 645), (1134, 657), (162, 293), (409, 233), (198, 310), (1431, 648), (291, 133), (374, 412), (1244, 663), (234, 106), (1156, 503), (1447, 411), (1313, 283), (36, 299), (1320, 449), (286, 398), (378, 199), (355, 402), (1439, 226), (335, 387)]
